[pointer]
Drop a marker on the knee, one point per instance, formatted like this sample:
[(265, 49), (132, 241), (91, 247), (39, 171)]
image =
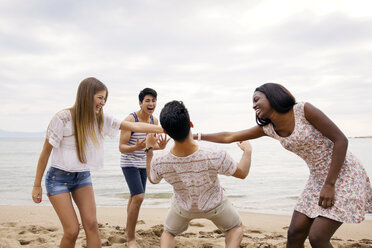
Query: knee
[(316, 239), (235, 234), (295, 234), (90, 225), (167, 240), (238, 231), (71, 233), (291, 233), (138, 199)]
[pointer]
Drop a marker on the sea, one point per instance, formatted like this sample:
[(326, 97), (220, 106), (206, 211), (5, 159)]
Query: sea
[(276, 178)]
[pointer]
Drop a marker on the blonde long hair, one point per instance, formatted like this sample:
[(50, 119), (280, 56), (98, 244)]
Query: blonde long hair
[(84, 117)]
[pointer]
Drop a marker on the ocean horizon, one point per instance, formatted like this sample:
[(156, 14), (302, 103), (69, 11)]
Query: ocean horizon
[(41, 134), (276, 179)]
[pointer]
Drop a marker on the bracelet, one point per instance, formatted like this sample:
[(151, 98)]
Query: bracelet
[(199, 136), (148, 149)]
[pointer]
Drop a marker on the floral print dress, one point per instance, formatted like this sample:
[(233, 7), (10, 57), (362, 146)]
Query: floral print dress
[(353, 195)]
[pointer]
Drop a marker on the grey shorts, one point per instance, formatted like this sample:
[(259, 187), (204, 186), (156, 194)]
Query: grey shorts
[(224, 216)]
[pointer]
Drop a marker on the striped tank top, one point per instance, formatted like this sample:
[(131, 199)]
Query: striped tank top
[(137, 158)]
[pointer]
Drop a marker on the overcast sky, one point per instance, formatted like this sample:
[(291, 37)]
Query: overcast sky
[(210, 54)]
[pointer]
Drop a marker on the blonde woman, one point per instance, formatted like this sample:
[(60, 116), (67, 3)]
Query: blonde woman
[(75, 136)]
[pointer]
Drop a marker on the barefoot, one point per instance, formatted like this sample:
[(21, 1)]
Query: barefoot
[(133, 244)]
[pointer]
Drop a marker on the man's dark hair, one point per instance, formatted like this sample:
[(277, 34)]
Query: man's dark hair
[(145, 92), (175, 120)]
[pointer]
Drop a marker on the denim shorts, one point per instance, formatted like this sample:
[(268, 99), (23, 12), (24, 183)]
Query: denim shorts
[(58, 181), (136, 179)]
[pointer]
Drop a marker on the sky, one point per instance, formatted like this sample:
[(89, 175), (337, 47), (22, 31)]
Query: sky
[(210, 54)]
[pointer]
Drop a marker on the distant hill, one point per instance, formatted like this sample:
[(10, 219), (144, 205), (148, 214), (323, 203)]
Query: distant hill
[(7, 134)]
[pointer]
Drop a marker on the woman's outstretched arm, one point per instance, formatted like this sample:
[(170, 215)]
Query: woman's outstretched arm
[(140, 127), (229, 137)]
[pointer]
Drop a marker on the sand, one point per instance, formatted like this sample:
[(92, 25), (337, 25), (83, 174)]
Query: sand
[(38, 226)]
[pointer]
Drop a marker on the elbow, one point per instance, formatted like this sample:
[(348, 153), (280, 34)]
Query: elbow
[(343, 141), (346, 141), (124, 148), (121, 149), (224, 138), (244, 175), (227, 139), (150, 180), (241, 174), (340, 141)]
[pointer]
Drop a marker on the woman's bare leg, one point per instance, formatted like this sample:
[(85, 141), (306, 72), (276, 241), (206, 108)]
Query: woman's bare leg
[(62, 204), (84, 199)]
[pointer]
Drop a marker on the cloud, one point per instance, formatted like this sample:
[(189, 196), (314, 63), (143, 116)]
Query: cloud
[(210, 54)]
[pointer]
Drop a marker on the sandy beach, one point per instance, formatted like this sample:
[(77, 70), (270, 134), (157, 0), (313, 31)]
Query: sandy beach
[(38, 226)]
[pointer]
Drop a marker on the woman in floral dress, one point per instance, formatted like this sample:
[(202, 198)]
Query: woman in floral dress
[(338, 189)]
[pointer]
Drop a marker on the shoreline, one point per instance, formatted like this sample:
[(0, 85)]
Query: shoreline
[(38, 226)]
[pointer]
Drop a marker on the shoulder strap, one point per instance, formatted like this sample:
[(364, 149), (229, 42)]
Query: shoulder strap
[(299, 111), (135, 116)]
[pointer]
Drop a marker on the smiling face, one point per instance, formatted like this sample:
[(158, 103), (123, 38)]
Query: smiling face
[(99, 101), (261, 105), (148, 104)]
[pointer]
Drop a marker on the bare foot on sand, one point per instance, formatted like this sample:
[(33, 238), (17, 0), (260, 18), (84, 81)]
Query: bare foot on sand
[(133, 244)]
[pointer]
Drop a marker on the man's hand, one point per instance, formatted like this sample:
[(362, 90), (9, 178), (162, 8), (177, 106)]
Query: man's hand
[(151, 139), (245, 146), (140, 144), (162, 141)]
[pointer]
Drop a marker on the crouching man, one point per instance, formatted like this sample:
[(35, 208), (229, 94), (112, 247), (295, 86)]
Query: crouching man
[(193, 174)]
